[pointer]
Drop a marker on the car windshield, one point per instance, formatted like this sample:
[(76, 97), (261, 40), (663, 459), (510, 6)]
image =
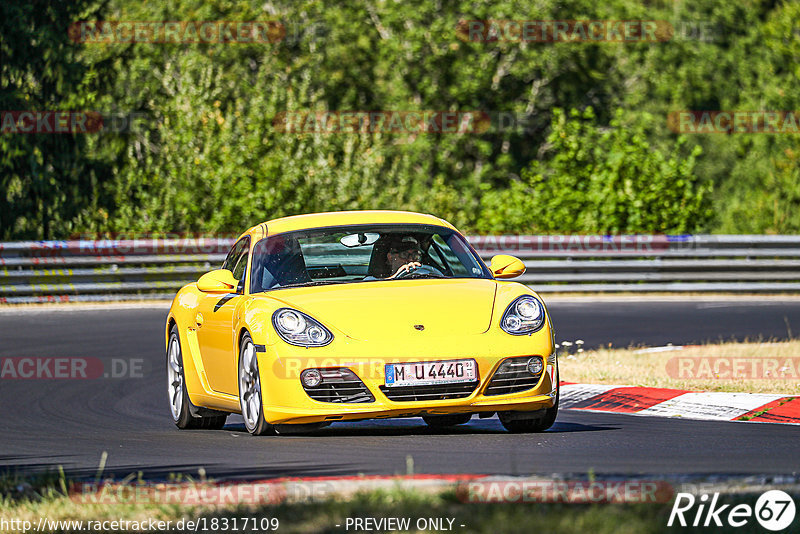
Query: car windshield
[(362, 253)]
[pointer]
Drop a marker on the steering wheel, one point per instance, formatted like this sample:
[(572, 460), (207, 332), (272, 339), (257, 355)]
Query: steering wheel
[(421, 271)]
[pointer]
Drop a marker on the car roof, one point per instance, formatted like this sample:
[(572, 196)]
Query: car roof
[(340, 218)]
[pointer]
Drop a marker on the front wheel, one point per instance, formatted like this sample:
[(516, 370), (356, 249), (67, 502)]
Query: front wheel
[(540, 424), (180, 405), (250, 398)]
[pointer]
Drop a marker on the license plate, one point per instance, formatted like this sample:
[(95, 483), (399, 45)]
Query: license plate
[(431, 373)]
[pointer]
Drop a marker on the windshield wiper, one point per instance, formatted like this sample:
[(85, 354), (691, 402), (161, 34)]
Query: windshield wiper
[(424, 275), (313, 283)]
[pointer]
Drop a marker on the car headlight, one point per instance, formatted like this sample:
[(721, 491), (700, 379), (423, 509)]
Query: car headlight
[(297, 328), (525, 315)]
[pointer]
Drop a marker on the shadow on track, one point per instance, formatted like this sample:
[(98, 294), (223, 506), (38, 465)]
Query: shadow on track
[(414, 426), (190, 471)]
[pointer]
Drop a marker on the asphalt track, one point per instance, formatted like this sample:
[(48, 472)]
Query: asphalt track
[(46, 423)]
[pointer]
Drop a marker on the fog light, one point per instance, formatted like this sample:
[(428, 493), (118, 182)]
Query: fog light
[(535, 366), (311, 378)]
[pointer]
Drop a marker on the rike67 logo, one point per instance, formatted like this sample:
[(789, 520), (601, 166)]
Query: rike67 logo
[(774, 510)]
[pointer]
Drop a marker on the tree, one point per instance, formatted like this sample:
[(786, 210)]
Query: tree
[(46, 179), (601, 180)]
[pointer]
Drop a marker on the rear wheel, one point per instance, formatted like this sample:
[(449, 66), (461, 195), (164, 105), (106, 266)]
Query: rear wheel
[(448, 420), (250, 398), (184, 413)]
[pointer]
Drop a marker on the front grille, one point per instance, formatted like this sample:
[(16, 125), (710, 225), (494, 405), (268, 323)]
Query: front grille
[(512, 377), (428, 393), (340, 385)]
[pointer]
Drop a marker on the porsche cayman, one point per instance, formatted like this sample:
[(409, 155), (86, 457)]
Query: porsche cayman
[(344, 316)]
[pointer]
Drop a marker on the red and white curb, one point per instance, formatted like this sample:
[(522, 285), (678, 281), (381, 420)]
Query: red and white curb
[(754, 407)]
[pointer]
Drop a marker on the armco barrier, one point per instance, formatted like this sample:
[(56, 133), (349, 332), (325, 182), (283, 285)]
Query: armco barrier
[(81, 270)]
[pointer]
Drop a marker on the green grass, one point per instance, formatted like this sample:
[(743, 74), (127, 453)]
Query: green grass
[(30, 498)]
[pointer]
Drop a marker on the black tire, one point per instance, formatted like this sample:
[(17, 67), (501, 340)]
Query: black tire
[(447, 420), (249, 380), (540, 424), (184, 413)]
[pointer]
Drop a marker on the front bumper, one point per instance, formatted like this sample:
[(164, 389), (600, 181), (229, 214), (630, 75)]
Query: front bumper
[(285, 400)]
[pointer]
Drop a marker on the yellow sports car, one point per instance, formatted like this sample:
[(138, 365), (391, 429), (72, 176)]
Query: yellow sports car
[(357, 315)]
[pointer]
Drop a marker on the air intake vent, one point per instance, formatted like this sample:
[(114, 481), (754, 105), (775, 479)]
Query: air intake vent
[(340, 385), (512, 377), (429, 393)]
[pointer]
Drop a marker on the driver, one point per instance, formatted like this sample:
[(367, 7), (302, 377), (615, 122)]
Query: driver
[(404, 256)]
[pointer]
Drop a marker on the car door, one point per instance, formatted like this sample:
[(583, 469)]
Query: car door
[(215, 325)]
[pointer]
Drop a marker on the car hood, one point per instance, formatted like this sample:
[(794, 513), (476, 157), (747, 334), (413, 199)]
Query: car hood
[(388, 309)]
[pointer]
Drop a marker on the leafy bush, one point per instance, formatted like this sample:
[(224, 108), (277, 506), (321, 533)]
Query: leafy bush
[(208, 159), (601, 180)]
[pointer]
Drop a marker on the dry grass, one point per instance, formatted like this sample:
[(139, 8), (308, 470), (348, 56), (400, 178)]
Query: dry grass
[(745, 367)]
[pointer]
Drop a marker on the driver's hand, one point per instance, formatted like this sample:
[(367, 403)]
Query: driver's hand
[(407, 268)]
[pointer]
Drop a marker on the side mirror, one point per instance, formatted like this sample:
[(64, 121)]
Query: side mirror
[(505, 266), (219, 281)]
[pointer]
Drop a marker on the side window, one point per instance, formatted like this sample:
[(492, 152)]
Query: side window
[(435, 257), (241, 265), (454, 264), (236, 262), (230, 259)]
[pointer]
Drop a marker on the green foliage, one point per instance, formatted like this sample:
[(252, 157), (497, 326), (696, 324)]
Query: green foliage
[(45, 180), (607, 180), (207, 156), (761, 193)]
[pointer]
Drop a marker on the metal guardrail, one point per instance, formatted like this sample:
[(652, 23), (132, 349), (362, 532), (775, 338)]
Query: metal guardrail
[(82, 270)]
